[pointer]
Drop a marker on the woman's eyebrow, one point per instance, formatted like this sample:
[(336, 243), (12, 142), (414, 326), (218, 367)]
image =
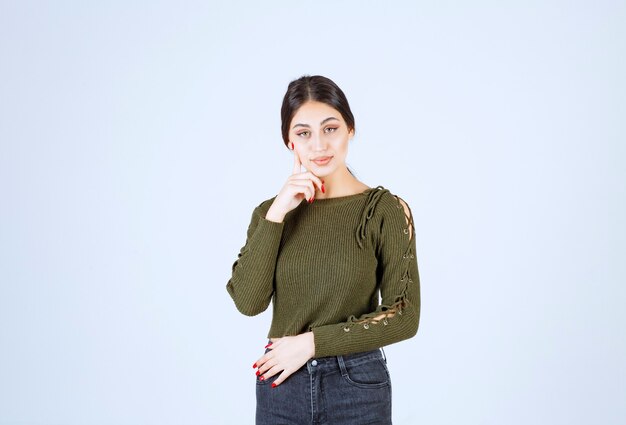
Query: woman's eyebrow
[(306, 125)]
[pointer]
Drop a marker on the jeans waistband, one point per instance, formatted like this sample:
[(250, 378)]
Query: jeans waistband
[(321, 363)]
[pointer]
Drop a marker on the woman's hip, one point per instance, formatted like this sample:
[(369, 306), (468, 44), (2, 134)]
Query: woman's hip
[(334, 389)]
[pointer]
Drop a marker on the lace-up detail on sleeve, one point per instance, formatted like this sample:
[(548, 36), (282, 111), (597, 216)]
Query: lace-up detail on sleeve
[(397, 316), (385, 312)]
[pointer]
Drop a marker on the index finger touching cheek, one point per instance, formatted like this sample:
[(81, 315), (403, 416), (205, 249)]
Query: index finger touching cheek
[(297, 165)]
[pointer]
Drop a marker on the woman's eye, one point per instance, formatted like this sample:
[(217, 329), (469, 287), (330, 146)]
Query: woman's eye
[(331, 128), (303, 133)]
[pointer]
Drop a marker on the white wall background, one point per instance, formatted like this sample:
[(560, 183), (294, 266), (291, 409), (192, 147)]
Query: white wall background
[(136, 137)]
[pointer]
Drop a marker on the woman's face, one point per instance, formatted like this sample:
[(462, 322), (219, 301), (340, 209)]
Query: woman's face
[(320, 137)]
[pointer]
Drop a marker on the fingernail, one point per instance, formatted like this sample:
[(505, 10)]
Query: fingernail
[(258, 372), (291, 145), (268, 345), (254, 366), (273, 384), (323, 191), (262, 378)]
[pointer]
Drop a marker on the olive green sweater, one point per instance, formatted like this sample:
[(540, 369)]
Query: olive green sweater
[(324, 266)]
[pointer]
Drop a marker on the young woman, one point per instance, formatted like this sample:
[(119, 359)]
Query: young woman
[(322, 263)]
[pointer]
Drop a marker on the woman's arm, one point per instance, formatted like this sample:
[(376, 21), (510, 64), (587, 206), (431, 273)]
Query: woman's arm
[(252, 282), (397, 318)]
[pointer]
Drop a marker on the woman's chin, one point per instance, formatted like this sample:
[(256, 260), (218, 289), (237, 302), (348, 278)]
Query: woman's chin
[(322, 171)]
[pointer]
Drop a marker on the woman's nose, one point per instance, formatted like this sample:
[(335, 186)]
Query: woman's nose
[(319, 143)]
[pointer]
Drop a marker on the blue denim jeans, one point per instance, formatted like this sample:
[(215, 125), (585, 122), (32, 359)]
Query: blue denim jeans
[(354, 389)]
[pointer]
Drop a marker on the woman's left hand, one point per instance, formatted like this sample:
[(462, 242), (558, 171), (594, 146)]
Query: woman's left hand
[(287, 354)]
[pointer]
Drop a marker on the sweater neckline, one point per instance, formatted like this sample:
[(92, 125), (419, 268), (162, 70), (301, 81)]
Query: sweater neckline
[(336, 199)]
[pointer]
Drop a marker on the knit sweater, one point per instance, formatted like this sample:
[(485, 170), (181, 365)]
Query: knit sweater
[(324, 267)]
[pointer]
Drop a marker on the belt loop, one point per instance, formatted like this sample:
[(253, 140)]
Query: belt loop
[(342, 366), (384, 355)]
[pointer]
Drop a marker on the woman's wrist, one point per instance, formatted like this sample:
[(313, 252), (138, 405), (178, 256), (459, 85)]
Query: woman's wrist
[(310, 343), (272, 215)]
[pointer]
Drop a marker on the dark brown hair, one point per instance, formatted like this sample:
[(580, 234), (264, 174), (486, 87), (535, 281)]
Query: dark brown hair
[(317, 88)]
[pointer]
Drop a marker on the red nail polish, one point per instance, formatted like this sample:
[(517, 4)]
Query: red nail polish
[(273, 384), (262, 378), (323, 191), (258, 372), (254, 366), (268, 345), (291, 145)]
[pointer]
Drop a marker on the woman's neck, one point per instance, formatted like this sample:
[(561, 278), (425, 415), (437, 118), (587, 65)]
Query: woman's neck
[(340, 183)]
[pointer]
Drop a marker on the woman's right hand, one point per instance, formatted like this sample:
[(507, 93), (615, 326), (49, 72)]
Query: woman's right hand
[(299, 186)]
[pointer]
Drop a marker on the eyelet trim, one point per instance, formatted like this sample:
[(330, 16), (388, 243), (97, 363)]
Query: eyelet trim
[(386, 316)]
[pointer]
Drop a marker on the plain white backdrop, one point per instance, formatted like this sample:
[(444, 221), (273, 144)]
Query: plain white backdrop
[(137, 137)]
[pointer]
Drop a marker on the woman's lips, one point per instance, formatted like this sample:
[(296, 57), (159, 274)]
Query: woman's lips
[(323, 161)]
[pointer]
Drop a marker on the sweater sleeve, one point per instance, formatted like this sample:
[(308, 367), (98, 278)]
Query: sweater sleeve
[(397, 316), (252, 282)]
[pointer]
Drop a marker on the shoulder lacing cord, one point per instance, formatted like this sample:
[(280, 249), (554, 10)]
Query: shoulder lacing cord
[(372, 199)]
